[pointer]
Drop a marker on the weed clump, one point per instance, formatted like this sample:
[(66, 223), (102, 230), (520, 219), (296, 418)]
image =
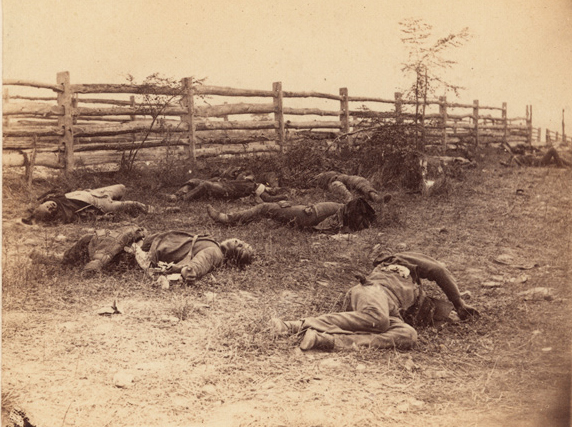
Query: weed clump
[(386, 155)]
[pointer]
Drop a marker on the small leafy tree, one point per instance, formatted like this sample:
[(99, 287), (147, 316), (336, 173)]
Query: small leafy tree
[(427, 61), (157, 94)]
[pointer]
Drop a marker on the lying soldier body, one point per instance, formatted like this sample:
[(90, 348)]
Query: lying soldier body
[(384, 308), (96, 250), (66, 208), (325, 216), (226, 189), (539, 159), (342, 185), (193, 255)]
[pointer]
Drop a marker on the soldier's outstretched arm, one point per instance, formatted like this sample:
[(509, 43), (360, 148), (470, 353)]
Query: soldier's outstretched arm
[(202, 263), (431, 269)]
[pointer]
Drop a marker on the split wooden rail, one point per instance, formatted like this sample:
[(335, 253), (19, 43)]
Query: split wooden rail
[(77, 127)]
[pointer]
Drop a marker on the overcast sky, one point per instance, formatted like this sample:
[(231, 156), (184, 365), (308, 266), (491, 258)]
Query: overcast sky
[(520, 52)]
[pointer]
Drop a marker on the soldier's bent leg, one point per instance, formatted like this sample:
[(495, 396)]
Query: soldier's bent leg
[(257, 212), (263, 210), (115, 192), (303, 216), (349, 322), (374, 196), (399, 335), (78, 253), (339, 189), (186, 187), (550, 155), (105, 245), (200, 190), (282, 328)]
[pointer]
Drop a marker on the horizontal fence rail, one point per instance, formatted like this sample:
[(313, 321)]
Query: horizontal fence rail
[(78, 127)]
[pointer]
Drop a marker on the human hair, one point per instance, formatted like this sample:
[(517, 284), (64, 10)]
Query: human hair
[(237, 252), (45, 211)]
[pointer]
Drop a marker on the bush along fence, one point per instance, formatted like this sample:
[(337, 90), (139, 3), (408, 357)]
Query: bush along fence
[(77, 127)]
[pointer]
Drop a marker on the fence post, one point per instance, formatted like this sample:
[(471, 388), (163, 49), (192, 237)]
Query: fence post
[(31, 162), (563, 129), (188, 102), (344, 110), (443, 111), (398, 108), (529, 124), (345, 114), (279, 113), (132, 117), (476, 120), (132, 105), (504, 123), (65, 122), (548, 142), (75, 102), (5, 100)]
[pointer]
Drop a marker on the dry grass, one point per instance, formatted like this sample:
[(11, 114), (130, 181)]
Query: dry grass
[(205, 355)]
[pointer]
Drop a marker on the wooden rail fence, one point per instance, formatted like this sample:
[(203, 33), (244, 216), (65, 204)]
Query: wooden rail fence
[(76, 127)]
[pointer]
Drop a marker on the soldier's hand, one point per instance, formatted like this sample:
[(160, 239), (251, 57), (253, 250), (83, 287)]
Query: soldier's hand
[(466, 311), (169, 268), (361, 277)]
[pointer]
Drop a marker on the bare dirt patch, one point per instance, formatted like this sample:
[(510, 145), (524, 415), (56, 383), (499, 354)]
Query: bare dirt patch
[(204, 356)]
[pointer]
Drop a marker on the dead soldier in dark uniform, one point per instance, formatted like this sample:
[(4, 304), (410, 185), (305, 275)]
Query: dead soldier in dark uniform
[(225, 189), (65, 208), (538, 158), (233, 183), (96, 250), (328, 217), (190, 254)]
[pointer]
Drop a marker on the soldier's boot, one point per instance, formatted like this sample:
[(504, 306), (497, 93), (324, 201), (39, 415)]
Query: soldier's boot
[(374, 196), (274, 198), (216, 215), (378, 198), (317, 340), (281, 328)]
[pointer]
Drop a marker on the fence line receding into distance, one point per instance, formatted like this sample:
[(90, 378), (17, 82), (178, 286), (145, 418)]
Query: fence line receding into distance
[(78, 127)]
